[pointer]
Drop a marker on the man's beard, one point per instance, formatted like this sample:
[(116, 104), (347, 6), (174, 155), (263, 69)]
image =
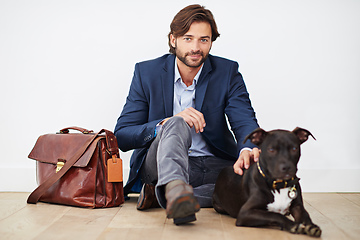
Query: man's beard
[(187, 61)]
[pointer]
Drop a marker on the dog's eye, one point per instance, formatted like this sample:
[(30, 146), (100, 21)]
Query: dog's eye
[(271, 150), (294, 149)]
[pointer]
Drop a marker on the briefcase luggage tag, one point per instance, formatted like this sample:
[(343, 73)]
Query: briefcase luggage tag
[(114, 166)]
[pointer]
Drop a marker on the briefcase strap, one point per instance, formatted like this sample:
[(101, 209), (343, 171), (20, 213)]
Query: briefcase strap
[(42, 188)]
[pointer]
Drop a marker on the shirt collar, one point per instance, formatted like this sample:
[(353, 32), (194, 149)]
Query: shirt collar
[(177, 75)]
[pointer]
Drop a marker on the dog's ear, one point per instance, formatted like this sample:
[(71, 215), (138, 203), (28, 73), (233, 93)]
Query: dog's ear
[(256, 137), (302, 134)]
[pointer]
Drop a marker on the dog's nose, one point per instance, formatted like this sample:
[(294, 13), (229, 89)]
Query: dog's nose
[(284, 167)]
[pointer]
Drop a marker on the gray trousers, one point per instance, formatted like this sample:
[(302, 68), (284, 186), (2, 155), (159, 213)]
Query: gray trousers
[(168, 160)]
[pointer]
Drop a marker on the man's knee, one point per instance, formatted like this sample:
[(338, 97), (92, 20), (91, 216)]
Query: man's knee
[(178, 126), (177, 123)]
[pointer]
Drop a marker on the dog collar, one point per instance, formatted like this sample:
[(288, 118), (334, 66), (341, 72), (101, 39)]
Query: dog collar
[(260, 170), (278, 184)]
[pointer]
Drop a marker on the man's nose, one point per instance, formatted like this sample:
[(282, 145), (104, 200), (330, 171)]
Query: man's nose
[(195, 47)]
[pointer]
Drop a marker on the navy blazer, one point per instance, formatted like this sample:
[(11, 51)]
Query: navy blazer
[(220, 93)]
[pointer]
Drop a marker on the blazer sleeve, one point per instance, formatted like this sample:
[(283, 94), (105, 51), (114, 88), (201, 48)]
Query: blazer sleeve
[(239, 110), (133, 130)]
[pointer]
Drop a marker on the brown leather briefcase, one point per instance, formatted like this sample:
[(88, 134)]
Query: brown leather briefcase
[(78, 169)]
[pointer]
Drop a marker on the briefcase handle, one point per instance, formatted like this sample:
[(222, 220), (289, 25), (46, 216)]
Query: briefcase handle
[(110, 138), (83, 130)]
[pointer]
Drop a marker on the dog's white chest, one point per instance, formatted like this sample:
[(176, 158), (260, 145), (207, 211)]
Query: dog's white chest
[(281, 203)]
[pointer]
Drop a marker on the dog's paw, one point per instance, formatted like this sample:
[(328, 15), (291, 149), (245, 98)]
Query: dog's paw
[(298, 229), (308, 229), (312, 230)]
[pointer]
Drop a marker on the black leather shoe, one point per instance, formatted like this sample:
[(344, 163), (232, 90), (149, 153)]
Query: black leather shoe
[(147, 198)]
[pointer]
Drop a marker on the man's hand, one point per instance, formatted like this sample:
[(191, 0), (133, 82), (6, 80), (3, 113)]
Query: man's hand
[(245, 159), (193, 118)]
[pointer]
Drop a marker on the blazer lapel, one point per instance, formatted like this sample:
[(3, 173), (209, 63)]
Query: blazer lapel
[(167, 81), (202, 84)]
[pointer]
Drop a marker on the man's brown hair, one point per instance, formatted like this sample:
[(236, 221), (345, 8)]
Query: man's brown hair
[(188, 15)]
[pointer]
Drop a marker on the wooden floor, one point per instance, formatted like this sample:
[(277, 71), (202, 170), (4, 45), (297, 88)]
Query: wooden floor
[(337, 214)]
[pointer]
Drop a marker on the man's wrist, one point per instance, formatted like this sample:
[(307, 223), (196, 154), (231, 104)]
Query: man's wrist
[(163, 121)]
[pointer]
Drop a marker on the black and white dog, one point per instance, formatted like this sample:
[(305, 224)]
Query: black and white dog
[(269, 190)]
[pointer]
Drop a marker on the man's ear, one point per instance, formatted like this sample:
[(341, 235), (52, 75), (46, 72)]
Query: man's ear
[(302, 134), (172, 41), (257, 136)]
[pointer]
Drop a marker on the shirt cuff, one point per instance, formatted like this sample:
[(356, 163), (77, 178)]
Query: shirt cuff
[(158, 128), (245, 148)]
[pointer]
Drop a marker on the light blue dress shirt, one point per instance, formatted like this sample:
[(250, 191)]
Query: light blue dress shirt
[(184, 97)]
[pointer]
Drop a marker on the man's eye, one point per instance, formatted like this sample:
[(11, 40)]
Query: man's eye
[(187, 39), (204, 40)]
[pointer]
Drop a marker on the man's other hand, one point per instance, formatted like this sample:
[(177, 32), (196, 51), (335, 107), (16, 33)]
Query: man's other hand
[(245, 159)]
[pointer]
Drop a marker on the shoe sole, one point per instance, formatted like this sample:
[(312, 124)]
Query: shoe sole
[(183, 207), (179, 221)]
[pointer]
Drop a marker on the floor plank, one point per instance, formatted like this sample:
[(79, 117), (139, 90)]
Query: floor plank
[(128, 215), (30, 221), (331, 204), (79, 223), (129, 223), (353, 197), (206, 227), (11, 203)]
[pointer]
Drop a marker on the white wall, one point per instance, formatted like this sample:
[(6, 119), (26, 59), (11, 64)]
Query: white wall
[(65, 63)]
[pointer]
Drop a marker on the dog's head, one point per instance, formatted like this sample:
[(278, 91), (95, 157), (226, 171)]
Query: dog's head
[(280, 150)]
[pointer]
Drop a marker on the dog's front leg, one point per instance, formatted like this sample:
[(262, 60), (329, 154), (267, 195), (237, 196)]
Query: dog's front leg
[(258, 218)]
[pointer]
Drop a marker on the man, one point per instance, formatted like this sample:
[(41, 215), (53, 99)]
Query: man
[(175, 119)]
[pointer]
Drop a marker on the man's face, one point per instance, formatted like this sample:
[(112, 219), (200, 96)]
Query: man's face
[(193, 48)]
